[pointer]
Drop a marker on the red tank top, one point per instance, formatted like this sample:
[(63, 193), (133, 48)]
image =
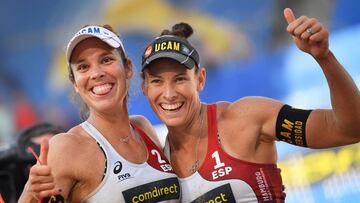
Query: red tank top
[(223, 178)]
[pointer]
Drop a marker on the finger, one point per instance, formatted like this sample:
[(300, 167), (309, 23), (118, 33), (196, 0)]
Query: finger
[(40, 170), (289, 15), (315, 28), (301, 29), (295, 24), (318, 37), (44, 149), (43, 187), (41, 180)]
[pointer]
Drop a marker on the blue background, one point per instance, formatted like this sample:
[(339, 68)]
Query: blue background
[(243, 45)]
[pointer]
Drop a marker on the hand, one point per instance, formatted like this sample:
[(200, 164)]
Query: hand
[(41, 182), (309, 34)]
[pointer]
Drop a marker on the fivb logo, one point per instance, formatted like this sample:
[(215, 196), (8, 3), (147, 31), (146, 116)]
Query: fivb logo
[(117, 169)]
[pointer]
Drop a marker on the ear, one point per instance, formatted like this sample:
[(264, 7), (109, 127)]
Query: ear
[(129, 69), (74, 86), (143, 85), (76, 89), (201, 79)]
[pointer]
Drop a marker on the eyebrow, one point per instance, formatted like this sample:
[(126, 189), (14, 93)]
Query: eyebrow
[(77, 62), (105, 53), (158, 76), (152, 75), (181, 74)]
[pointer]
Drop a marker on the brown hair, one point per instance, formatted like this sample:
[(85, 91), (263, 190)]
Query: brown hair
[(182, 30)]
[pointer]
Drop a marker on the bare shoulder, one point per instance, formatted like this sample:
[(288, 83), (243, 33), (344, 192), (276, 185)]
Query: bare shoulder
[(70, 149), (68, 141), (61, 144), (143, 123)]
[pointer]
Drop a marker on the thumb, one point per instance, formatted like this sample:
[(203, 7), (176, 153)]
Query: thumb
[(289, 15), (44, 149)]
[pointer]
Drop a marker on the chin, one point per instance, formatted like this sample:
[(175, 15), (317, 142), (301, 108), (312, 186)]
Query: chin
[(172, 122)]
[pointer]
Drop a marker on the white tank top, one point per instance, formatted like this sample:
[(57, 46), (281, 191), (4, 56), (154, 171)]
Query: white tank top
[(152, 181)]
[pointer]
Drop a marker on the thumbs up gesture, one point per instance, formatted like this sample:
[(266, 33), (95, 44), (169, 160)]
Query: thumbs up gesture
[(309, 34), (41, 181)]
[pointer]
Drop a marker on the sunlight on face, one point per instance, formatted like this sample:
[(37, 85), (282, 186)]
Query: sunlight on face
[(100, 76), (172, 90)]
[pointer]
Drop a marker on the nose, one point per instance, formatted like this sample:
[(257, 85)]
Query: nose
[(97, 73), (169, 92)]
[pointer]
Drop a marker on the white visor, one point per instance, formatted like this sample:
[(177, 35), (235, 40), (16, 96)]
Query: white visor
[(104, 34)]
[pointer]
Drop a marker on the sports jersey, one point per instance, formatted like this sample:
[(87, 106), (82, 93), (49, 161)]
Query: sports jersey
[(151, 181), (223, 178)]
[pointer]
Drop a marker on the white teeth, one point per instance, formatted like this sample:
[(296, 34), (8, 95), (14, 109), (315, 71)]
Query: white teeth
[(171, 107), (102, 89)]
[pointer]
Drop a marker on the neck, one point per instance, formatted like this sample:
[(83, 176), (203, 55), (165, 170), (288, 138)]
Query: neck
[(115, 124), (181, 137)]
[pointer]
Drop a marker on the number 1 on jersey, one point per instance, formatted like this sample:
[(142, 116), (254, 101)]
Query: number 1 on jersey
[(218, 162), (219, 169)]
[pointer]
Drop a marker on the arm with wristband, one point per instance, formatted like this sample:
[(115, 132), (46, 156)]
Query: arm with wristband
[(324, 127), (317, 128)]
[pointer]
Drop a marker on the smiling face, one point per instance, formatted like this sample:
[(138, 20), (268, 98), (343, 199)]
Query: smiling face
[(100, 77), (173, 91)]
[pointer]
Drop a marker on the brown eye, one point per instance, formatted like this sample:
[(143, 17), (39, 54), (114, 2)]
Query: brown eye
[(180, 79), (155, 81), (107, 60), (82, 67)]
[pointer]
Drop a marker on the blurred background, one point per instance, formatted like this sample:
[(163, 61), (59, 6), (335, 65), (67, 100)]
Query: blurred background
[(242, 44)]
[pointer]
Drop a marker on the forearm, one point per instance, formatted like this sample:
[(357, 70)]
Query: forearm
[(345, 96)]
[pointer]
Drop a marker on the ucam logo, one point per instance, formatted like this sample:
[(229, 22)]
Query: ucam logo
[(87, 30), (167, 45)]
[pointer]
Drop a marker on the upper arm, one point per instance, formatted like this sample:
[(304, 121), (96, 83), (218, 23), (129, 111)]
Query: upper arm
[(60, 161), (146, 126), (261, 114), (258, 114)]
